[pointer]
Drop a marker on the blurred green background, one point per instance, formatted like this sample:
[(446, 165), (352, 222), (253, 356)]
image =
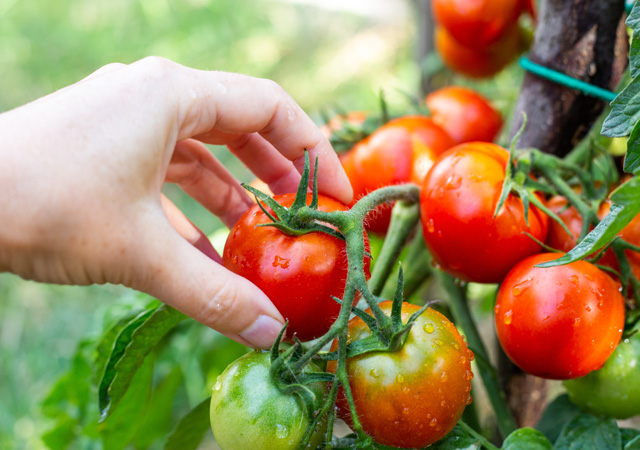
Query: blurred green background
[(329, 55)]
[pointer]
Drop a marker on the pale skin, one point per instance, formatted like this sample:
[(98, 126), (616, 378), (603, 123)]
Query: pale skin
[(81, 172)]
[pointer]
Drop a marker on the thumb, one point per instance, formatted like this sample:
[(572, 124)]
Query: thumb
[(176, 273)]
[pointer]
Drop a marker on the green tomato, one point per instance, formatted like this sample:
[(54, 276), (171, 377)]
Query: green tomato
[(249, 412), (613, 390)]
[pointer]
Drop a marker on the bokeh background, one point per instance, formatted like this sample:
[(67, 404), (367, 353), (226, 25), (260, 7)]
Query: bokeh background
[(330, 55)]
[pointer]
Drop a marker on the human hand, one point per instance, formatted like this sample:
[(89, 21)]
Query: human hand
[(81, 172)]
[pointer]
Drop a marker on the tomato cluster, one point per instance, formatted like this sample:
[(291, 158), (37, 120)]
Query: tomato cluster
[(479, 38)]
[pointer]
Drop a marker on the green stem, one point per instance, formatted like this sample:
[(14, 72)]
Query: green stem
[(416, 268), (464, 319), (483, 441), (404, 218)]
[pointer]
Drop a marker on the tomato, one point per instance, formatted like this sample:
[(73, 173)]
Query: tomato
[(249, 412), (412, 397), (457, 205), (559, 322), (401, 151), (300, 274), (613, 390), (477, 24), (336, 123), (464, 114), (479, 63), (631, 234)]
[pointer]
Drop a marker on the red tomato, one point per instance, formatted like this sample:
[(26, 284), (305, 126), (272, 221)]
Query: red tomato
[(464, 114), (412, 397), (561, 322), (457, 204), (477, 24), (631, 234), (401, 151), (478, 63), (299, 274)]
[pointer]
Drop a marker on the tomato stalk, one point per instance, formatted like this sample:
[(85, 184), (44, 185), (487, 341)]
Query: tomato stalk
[(417, 268), (463, 317)]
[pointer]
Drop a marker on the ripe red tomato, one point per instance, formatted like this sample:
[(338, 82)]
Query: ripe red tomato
[(560, 322), (401, 151), (299, 274), (479, 63), (477, 24), (412, 397), (457, 204), (464, 114)]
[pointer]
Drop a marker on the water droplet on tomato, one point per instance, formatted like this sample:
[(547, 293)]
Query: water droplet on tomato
[(406, 411), (576, 321), (519, 288), (444, 377), (428, 328), (281, 262), (574, 280), (374, 373), (282, 431), (433, 422), (453, 182), (507, 317), (463, 360), (588, 308), (469, 400), (430, 226), (443, 403), (217, 386), (588, 277), (400, 378), (435, 265), (438, 342)]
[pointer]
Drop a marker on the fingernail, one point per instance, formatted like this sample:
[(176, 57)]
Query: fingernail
[(263, 332)]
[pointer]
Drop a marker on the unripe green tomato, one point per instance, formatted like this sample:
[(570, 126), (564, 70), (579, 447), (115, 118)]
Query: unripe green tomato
[(613, 390), (249, 412)]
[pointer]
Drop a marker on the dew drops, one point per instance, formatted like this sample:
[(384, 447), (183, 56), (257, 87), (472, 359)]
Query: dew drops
[(217, 386), (576, 321), (438, 342), (588, 308), (281, 262), (463, 360), (435, 265), (519, 288), (430, 226), (444, 377), (453, 182), (405, 411), (374, 373), (588, 277), (443, 403), (281, 431), (433, 422), (469, 400), (507, 317), (428, 328), (234, 259), (400, 378), (574, 280)]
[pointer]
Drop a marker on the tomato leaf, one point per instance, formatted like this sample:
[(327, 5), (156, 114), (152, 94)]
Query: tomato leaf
[(526, 439), (626, 205), (587, 432), (630, 438), (633, 22), (61, 436), (632, 158), (189, 432), (625, 112), (556, 415), (133, 344), (457, 439)]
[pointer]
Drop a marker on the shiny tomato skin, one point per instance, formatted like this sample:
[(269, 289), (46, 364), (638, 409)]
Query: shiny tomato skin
[(613, 390), (464, 114), (474, 63), (300, 274), (401, 151), (560, 322), (477, 24), (457, 204), (249, 412), (412, 397)]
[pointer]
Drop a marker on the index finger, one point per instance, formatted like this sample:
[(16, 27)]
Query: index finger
[(239, 104)]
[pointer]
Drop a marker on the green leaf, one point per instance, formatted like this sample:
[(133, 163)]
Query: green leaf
[(633, 22), (625, 112), (526, 439), (626, 205), (62, 434), (191, 429), (133, 344), (157, 419), (632, 158), (630, 438), (457, 439), (587, 432), (120, 427), (556, 415)]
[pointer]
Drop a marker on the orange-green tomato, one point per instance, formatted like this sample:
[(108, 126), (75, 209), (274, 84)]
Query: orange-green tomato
[(414, 396), (613, 390), (249, 412)]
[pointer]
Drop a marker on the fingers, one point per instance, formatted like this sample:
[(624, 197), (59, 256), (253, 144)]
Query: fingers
[(238, 104), (188, 230), (179, 275), (201, 175)]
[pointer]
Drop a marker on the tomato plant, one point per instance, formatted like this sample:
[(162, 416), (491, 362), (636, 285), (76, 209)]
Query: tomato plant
[(300, 274), (401, 151), (477, 24), (412, 397), (613, 390), (464, 114), (478, 63), (457, 205), (559, 322), (248, 410)]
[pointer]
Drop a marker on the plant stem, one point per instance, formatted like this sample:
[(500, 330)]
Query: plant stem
[(416, 267), (462, 316), (404, 219), (483, 441)]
